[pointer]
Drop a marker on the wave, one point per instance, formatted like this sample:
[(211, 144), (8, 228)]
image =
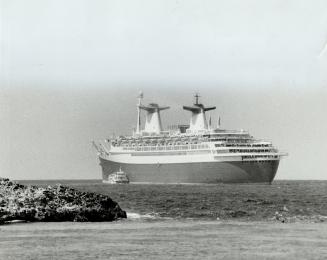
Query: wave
[(148, 216)]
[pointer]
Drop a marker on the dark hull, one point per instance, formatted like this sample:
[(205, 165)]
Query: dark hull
[(205, 172)]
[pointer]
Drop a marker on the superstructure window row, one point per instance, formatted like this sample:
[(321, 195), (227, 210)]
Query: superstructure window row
[(247, 145), (259, 156), (251, 151), (241, 145)]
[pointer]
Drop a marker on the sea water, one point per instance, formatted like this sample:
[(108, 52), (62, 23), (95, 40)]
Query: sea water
[(184, 222)]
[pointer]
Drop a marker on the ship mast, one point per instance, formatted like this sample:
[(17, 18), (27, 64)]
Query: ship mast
[(138, 124), (196, 98)]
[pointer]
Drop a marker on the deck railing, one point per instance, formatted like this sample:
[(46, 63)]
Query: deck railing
[(167, 147)]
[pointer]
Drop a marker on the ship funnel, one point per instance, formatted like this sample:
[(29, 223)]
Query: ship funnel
[(153, 121), (198, 120)]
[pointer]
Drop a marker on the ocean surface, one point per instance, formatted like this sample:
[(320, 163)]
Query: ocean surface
[(211, 201), (226, 221)]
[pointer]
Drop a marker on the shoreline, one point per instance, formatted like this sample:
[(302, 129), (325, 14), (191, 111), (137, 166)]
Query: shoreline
[(153, 218)]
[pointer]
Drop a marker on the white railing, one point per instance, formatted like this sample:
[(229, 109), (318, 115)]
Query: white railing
[(167, 147)]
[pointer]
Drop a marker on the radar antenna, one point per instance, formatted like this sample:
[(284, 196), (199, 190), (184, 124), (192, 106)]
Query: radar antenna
[(140, 96), (196, 98)]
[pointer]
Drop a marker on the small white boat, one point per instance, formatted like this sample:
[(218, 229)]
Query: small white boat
[(118, 177)]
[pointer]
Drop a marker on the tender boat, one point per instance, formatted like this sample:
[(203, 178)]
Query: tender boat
[(118, 177)]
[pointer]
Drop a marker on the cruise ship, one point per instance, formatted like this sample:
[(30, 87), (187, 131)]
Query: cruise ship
[(182, 154)]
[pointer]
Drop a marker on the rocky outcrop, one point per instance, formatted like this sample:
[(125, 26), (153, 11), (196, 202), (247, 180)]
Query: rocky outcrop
[(54, 203)]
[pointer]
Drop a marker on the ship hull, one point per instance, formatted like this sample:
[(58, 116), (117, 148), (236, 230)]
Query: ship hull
[(194, 172)]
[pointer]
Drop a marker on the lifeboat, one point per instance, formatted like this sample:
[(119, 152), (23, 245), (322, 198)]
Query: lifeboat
[(118, 177)]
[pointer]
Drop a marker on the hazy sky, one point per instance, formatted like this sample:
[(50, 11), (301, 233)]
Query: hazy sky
[(71, 71)]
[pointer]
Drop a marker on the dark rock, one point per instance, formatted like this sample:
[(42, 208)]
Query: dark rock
[(58, 203)]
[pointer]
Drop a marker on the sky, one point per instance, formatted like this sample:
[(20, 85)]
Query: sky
[(71, 72)]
